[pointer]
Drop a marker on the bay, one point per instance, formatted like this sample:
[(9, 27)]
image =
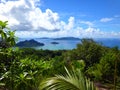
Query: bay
[(72, 44)]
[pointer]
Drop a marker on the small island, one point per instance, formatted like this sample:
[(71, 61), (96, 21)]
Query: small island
[(54, 43), (29, 43)]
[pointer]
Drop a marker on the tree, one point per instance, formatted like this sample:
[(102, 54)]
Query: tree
[(89, 51), (107, 70)]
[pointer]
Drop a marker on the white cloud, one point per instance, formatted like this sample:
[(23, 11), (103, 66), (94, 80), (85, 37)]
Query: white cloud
[(30, 21), (77, 32), (70, 24), (25, 15), (87, 23), (106, 19), (47, 20)]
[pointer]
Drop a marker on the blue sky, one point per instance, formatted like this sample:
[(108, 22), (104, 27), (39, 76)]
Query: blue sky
[(62, 18), (88, 10), (99, 8)]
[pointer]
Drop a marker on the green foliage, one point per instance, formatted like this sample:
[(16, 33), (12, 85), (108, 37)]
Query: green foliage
[(7, 39), (39, 54), (73, 80), (2, 27), (79, 64), (7, 54), (104, 70), (25, 74), (7, 36), (89, 51)]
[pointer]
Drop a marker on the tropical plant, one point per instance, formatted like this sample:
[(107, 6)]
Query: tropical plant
[(7, 40), (2, 27), (25, 74), (7, 54), (72, 80), (7, 36), (89, 51)]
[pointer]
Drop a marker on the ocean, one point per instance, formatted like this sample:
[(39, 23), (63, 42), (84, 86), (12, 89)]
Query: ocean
[(72, 44)]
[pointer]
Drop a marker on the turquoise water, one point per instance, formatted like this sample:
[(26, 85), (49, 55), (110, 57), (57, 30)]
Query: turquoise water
[(63, 44), (71, 44)]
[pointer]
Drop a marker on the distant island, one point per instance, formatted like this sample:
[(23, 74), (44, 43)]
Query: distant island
[(29, 43), (66, 38), (54, 43), (43, 38)]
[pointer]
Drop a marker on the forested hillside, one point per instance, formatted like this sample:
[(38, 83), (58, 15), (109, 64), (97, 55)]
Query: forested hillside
[(77, 69)]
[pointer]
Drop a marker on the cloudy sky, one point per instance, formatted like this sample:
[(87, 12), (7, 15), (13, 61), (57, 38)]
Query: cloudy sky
[(62, 18)]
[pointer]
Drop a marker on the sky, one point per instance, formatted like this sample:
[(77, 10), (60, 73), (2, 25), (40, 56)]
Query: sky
[(62, 18)]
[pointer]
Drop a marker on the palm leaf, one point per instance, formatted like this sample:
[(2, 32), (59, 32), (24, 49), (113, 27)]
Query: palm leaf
[(73, 80)]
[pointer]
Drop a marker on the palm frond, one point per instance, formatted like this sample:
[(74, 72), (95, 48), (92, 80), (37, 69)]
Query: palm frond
[(73, 80)]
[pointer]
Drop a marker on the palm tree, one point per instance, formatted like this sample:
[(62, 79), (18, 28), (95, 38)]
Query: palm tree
[(73, 80)]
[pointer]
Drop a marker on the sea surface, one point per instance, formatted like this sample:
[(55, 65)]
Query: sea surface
[(72, 44)]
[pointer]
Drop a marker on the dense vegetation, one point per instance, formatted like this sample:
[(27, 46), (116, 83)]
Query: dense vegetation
[(30, 69)]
